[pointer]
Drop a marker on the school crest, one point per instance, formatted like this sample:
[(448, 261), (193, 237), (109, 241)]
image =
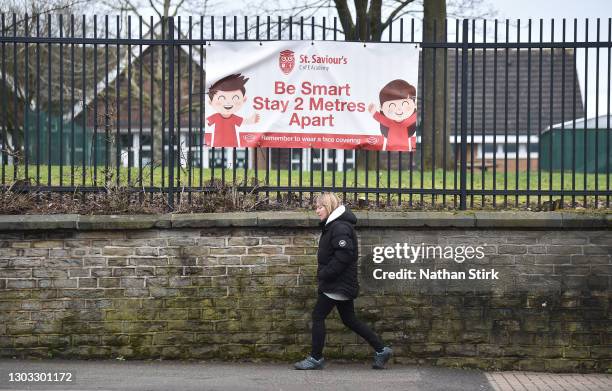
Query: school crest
[(286, 61)]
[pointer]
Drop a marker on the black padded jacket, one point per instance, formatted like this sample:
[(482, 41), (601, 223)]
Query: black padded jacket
[(337, 254)]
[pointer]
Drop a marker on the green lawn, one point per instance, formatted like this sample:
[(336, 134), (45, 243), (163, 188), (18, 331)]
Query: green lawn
[(385, 180)]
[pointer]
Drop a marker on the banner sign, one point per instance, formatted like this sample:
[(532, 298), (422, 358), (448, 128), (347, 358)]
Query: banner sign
[(301, 94)]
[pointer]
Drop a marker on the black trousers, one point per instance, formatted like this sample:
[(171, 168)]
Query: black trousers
[(346, 310)]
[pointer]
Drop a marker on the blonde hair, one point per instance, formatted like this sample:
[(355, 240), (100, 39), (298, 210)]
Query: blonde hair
[(330, 201)]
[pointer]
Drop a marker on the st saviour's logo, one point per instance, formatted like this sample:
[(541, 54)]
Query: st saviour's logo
[(286, 61)]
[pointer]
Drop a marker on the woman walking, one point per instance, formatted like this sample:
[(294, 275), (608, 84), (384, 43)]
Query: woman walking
[(338, 283)]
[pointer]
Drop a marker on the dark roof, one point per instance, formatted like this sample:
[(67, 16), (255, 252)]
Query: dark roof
[(537, 111), (51, 102)]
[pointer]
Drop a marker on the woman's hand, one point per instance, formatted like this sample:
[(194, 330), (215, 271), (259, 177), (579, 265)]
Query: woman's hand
[(372, 108)]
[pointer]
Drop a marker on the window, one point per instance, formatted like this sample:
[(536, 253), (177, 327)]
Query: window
[(128, 155), (510, 149), (146, 155), (146, 139), (350, 159), (220, 159), (489, 148), (533, 148), (295, 158), (317, 161), (125, 141)]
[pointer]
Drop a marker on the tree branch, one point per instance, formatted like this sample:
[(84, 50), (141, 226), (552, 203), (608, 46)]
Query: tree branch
[(155, 9), (394, 14), (178, 7), (346, 19)]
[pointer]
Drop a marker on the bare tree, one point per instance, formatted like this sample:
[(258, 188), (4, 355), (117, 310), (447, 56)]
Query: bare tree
[(364, 19), (33, 8), (22, 73), (435, 123), (160, 8)]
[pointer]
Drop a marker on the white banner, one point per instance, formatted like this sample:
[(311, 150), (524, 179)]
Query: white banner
[(301, 94)]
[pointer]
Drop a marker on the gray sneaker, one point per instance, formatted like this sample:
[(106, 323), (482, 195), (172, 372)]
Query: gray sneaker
[(380, 359), (310, 363)]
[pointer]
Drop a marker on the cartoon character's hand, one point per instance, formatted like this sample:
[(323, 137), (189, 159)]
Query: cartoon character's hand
[(253, 119), (372, 108)]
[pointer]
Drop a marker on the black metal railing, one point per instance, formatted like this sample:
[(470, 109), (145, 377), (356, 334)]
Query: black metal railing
[(89, 103)]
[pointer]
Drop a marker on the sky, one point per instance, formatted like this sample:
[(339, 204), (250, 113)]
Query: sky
[(552, 8)]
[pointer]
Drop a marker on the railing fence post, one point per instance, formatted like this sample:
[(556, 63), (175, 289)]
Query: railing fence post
[(171, 113), (464, 110)]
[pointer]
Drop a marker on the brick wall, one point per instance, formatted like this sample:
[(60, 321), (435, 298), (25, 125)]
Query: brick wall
[(244, 285)]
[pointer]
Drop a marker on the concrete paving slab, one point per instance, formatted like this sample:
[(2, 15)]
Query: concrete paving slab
[(206, 375)]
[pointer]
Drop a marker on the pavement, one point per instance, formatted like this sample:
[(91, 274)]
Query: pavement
[(205, 376)]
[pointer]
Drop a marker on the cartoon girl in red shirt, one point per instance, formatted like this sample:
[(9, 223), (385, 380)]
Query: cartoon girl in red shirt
[(397, 116)]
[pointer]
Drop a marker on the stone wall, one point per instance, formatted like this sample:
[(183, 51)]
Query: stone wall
[(243, 286)]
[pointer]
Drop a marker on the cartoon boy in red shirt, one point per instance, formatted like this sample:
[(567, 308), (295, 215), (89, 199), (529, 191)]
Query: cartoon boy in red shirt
[(227, 96), (397, 116)]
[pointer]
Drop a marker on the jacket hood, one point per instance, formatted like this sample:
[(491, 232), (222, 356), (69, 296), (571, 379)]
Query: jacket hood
[(341, 213)]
